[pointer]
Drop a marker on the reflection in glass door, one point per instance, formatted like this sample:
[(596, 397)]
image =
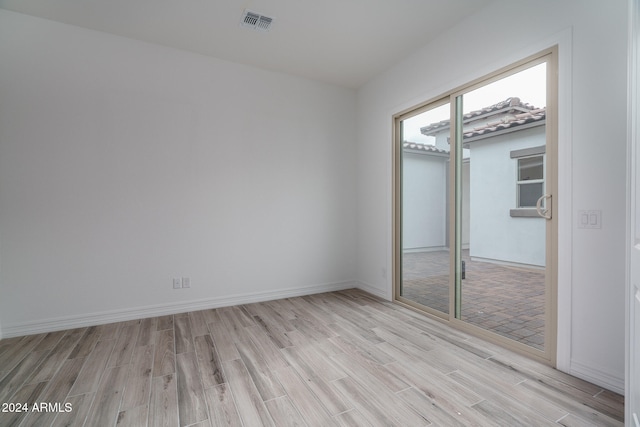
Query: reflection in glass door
[(425, 209), (474, 231), (504, 140)]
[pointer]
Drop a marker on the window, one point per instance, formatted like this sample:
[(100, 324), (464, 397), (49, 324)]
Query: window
[(530, 181), (530, 185)]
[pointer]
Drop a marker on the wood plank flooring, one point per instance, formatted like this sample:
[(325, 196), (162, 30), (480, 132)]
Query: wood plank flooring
[(342, 358)]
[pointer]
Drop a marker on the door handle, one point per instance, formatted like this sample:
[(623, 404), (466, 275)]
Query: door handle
[(546, 211)]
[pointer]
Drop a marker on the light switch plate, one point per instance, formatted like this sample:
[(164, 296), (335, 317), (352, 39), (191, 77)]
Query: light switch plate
[(186, 282), (590, 219)]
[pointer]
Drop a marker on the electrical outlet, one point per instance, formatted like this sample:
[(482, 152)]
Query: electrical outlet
[(186, 282), (177, 284)]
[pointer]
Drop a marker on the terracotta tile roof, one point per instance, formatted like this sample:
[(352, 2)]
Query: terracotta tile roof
[(508, 122), (406, 145), (521, 113)]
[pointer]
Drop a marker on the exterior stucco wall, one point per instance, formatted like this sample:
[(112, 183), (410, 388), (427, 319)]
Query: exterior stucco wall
[(495, 235), (424, 209)]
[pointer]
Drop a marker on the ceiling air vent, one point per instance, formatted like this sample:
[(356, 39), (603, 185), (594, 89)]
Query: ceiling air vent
[(256, 21)]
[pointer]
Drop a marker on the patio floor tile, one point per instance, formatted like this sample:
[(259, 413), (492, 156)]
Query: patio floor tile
[(504, 299)]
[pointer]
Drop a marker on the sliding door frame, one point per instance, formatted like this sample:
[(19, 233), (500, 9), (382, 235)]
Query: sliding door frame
[(548, 355)]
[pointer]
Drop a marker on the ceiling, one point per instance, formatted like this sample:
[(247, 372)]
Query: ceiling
[(344, 42)]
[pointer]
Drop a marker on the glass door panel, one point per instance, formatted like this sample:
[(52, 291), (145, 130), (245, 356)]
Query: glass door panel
[(503, 254), (425, 247), (475, 241)]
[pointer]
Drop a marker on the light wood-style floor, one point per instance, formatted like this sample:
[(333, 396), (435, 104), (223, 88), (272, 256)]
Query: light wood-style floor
[(341, 358)]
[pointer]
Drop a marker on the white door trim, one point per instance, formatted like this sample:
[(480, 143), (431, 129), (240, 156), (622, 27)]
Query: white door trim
[(632, 307)]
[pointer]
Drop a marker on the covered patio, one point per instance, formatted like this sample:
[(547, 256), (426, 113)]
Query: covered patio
[(507, 300)]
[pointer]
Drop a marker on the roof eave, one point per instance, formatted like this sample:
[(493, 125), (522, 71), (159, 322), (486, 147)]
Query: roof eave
[(505, 131)]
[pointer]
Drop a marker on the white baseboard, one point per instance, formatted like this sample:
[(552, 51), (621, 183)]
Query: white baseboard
[(425, 249), (596, 376), (92, 319), (507, 263), (373, 290)]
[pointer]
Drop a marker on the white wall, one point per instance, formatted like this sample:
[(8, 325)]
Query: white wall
[(424, 201), (495, 235), (592, 155), (125, 164)]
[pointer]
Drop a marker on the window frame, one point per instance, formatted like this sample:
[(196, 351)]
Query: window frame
[(528, 153)]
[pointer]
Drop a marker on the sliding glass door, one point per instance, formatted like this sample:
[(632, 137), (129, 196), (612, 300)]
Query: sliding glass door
[(475, 233), (426, 211)]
